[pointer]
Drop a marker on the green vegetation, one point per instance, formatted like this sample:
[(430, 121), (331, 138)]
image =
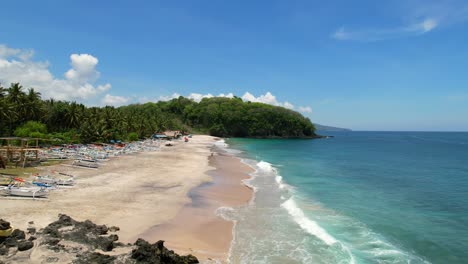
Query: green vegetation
[(24, 173), (31, 129), (26, 114)]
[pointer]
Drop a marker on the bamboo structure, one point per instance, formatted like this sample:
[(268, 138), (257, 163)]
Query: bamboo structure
[(17, 150)]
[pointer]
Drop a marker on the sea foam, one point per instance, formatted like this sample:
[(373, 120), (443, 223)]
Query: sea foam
[(265, 166), (225, 147), (306, 224), (221, 143)]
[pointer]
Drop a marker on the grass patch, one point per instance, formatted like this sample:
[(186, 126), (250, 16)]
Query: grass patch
[(52, 162), (26, 172)]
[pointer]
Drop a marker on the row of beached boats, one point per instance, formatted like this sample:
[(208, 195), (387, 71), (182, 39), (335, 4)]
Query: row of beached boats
[(89, 156), (97, 151), (39, 187)]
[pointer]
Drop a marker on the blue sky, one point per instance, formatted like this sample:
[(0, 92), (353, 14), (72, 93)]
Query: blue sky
[(365, 65)]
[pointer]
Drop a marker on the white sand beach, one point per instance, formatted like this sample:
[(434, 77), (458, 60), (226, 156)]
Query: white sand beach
[(136, 193)]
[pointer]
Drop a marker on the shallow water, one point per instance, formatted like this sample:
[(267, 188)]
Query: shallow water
[(361, 197)]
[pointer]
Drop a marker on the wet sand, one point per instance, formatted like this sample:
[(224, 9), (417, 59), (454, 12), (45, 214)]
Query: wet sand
[(197, 229)]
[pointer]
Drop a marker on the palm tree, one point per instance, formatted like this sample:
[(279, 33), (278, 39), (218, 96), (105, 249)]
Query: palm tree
[(2, 92), (73, 115), (109, 116), (16, 99), (16, 94), (33, 105), (7, 117)]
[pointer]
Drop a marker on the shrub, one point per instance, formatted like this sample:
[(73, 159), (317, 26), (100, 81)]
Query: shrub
[(31, 129), (132, 136)]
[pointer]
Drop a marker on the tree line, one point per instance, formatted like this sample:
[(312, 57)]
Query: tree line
[(24, 113)]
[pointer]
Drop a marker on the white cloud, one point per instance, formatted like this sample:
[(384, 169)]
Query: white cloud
[(375, 34), (6, 52), (288, 105), (114, 100), (429, 24), (168, 98), (197, 97), (16, 65), (305, 109), (421, 27), (83, 68), (267, 98), (341, 34), (416, 17)]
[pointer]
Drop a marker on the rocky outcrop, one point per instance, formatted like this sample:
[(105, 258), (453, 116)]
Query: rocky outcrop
[(95, 258), (4, 225), (15, 239), (87, 233), (69, 241), (157, 253), (25, 245)]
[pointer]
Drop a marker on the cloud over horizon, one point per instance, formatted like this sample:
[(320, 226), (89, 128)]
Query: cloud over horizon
[(78, 84), (267, 98)]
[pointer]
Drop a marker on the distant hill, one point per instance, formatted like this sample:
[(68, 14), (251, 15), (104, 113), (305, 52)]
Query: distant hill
[(330, 128)]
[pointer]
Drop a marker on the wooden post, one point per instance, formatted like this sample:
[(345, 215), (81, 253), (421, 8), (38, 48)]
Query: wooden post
[(24, 157), (2, 163)]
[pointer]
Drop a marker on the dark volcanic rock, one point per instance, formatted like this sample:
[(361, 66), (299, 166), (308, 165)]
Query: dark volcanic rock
[(97, 229), (157, 253), (18, 234), (3, 250), (52, 259), (95, 258), (25, 245), (114, 229), (31, 230), (51, 231), (4, 225), (90, 236), (53, 228), (51, 241), (85, 232), (10, 242)]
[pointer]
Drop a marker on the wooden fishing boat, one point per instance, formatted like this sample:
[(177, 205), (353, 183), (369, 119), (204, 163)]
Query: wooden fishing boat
[(16, 189), (54, 181), (34, 192), (89, 163)]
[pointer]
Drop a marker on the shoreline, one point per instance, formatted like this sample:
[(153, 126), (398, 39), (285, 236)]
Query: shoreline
[(197, 229)]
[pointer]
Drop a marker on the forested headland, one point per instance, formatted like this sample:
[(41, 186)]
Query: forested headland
[(24, 113)]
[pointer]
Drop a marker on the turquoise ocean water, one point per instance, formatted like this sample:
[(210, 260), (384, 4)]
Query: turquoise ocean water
[(360, 197)]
